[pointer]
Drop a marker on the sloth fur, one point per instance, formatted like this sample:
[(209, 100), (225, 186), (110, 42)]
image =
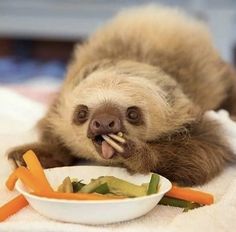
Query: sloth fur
[(163, 63)]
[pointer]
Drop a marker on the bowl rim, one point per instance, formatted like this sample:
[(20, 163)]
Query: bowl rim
[(19, 188)]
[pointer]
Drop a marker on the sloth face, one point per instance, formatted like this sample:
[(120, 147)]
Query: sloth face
[(108, 120), (107, 102)]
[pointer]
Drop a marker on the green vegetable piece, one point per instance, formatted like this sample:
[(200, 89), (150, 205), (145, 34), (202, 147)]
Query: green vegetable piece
[(153, 184), (173, 202), (122, 187), (77, 185), (89, 188), (192, 205), (115, 186), (102, 189), (170, 201)]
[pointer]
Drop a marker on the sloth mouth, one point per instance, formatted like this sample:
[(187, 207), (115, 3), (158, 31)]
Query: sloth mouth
[(108, 145), (98, 140), (103, 148)]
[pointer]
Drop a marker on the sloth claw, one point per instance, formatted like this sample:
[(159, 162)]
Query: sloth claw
[(15, 159)]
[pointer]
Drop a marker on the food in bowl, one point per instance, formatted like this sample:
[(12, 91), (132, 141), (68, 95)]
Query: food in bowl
[(38, 188), (110, 185)]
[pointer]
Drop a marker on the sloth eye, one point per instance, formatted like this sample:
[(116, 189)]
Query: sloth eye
[(134, 115), (80, 114)]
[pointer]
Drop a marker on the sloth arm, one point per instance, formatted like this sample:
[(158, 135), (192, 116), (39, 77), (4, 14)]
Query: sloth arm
[(189, 158), (49, 155), (50, 151)]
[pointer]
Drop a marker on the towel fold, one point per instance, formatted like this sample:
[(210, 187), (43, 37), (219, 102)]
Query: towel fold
[(18, 116)]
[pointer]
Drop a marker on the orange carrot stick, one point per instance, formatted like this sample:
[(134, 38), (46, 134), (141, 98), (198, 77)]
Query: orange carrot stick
[(191, 195), (26, 177), (36, 169), (77, 196), (12, 207)]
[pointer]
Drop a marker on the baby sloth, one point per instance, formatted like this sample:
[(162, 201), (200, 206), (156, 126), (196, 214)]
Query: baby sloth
[(135, 95)]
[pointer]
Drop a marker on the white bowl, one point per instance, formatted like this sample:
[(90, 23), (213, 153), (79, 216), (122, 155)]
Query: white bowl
[(94, 211)]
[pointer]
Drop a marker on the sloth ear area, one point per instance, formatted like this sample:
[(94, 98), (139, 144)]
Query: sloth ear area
[(48, 155)]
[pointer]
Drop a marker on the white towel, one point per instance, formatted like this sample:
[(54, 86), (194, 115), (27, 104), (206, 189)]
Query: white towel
[(17, 118)]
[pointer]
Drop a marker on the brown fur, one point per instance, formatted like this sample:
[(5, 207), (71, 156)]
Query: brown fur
[(190, 157), (163, 62)]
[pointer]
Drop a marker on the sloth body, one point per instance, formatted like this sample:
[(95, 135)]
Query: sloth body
[(151, 73)]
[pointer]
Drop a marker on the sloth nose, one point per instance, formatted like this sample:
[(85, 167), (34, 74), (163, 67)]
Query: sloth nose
[(105, 124)]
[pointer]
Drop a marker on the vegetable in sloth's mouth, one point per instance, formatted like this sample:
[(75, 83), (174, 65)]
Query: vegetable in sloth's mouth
[(110, 143)]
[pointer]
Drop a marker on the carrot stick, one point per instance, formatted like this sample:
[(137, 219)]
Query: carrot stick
[(77, 196), (26, 177), (36, 169), (12, 207), (190, 195)]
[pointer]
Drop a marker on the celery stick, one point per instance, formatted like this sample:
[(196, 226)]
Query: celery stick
[(192, 205), (153, 184), (187, 205), (173, 202)]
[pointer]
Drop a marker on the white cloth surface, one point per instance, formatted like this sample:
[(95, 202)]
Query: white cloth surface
[(18, 116)]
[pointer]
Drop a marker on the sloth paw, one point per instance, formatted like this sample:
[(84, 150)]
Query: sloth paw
[(129, 148), (48, 156), (15, 158)]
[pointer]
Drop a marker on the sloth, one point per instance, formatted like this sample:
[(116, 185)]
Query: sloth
[(150, 73)]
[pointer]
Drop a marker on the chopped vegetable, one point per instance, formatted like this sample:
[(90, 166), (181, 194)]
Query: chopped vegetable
[(116, 186), (68, 188), (110, 184), (89, 188), (60, 188), (102, 189), (36, 169), (12, 207), (191, 206), (77, 185), (153, 184), (173, 202), (191, 195), (113, 185), (122, 187), (178, 203), (77, 196)]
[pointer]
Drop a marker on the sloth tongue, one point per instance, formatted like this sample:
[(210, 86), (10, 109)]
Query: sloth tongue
[(107, 150)]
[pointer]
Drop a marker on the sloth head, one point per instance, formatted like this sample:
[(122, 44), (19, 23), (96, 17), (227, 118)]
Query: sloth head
[(136, 99)]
